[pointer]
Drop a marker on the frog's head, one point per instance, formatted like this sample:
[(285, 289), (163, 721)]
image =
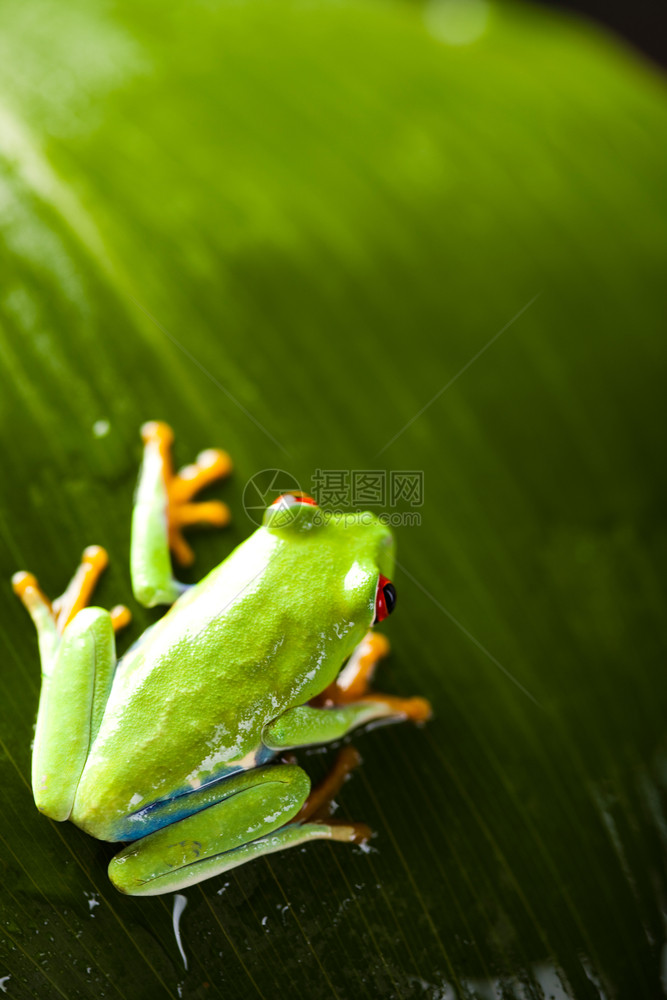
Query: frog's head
[(345, 560)]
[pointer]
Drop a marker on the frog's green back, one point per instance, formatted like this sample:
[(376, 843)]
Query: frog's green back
[(266, 630)]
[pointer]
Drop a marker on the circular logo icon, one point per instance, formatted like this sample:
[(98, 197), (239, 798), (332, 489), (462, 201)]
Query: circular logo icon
[(263, 488)]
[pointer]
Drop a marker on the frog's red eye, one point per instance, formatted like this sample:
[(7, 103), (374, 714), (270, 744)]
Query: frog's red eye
[(289, 499), (385, 599)]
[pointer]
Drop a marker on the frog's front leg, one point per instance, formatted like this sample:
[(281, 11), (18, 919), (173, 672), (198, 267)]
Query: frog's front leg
[(163, 508), (78, 658), (254, 813), (345, 704)]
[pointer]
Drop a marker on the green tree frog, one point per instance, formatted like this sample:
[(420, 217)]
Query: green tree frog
[(179, 747)]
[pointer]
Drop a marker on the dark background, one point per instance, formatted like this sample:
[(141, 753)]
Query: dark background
[(642, 24)]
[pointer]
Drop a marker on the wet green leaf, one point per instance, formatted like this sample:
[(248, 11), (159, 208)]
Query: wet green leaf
[(327, 238)]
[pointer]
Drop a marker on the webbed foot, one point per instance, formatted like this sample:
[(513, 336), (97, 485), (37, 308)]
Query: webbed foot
[(57, 614), (354, 680), (182, 486)]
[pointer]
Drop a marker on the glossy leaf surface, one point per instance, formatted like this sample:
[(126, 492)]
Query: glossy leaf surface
[(324, 237)]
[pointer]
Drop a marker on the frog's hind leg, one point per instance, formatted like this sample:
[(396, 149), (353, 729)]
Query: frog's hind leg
[(78, 658), (256, 813), (164, 507)]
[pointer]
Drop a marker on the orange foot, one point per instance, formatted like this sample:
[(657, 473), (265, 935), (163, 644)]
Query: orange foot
[(353, 682), (76, 595), (319, 805), (182, 486)]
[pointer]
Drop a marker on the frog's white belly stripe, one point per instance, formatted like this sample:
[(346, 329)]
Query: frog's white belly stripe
[(212, 765)]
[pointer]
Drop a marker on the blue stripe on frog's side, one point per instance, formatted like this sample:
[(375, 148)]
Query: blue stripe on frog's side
[(184, 803)]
